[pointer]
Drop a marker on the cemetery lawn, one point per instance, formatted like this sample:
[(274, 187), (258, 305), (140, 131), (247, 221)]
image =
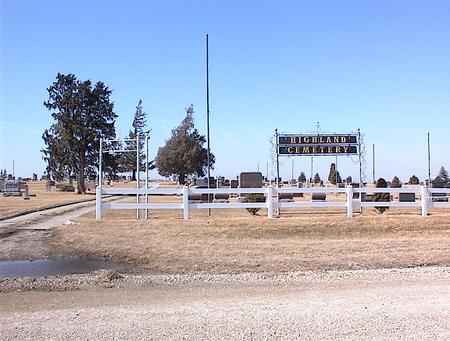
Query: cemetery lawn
[(42, 199), (232, 241)]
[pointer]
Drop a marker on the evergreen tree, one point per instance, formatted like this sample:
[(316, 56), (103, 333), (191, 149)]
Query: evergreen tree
[(317, 178), (82, 113), (302, 178), (129, 161), (338, 178), (332, 176), (349, 180), (184, 154), (395, 183), (442, 180), (414, 180)]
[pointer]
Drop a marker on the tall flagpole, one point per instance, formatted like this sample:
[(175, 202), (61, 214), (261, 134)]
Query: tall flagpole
[(429, 160), (373, 163), (207, 117)]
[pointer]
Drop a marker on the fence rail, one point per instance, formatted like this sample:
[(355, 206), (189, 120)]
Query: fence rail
[(428, 198)]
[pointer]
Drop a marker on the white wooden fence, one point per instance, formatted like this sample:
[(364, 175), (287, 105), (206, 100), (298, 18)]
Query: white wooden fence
[(272, 202)]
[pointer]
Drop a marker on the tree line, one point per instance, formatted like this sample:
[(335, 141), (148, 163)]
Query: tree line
[(83, 113), (442, 180)]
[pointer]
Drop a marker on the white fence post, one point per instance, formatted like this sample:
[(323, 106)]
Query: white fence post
[(349, 191), (275, 203), (269, 201), (424, 200), (98, 203), (186, 202)]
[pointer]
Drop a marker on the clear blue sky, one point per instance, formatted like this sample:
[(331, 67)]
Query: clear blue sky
[(382, 66)]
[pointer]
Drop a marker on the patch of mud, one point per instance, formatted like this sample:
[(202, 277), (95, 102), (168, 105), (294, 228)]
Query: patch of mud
[(57, 266)]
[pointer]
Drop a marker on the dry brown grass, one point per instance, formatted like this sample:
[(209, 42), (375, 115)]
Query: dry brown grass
[(13, 205), (233, 241)]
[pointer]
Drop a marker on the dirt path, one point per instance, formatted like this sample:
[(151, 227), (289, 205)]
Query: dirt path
[(27, 236), (410, 304)]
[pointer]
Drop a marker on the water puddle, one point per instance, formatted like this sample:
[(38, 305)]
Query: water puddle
[(56, 266)]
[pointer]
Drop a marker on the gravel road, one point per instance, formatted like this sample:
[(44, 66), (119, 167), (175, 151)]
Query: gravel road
[(408, 304)]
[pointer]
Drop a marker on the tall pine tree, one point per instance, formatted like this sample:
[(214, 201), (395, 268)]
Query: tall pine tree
[(302, 178), (82, 113), (129, 159)]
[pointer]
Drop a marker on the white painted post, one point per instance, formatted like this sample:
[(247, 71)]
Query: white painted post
[(276, 203), (269, 201), (186, 202), (137, 175), (98, 203), (349, 191), (146, 175), (100, 156), (424, 200)]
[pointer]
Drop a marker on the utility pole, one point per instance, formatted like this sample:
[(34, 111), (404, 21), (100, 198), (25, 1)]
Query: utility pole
[(207, 117), (267, 170), (146, 173), (312, 157), (278, 158), (429, 160), (292, 169), (359, 155), (13, 171), (137, 175), (373, 163), (336, 167)]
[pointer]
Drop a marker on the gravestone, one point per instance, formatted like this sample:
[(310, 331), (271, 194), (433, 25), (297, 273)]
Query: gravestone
[(234, 183), (251, 180), (91, 186), (299, 195), (13, 188), (203, 183), (439, 197), (50, 186), (286, 196), (407, 197), (220, 181), (367, 197), (319, 197), (355, 194)]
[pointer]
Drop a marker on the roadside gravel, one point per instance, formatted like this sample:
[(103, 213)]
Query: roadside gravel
[(392, 304), (113, 279)]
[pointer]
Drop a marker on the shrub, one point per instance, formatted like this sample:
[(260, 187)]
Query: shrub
[(317, 178), (383, 197), (442, 180), (395, 183), (414, 180), (253, 197), (302, 178)]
